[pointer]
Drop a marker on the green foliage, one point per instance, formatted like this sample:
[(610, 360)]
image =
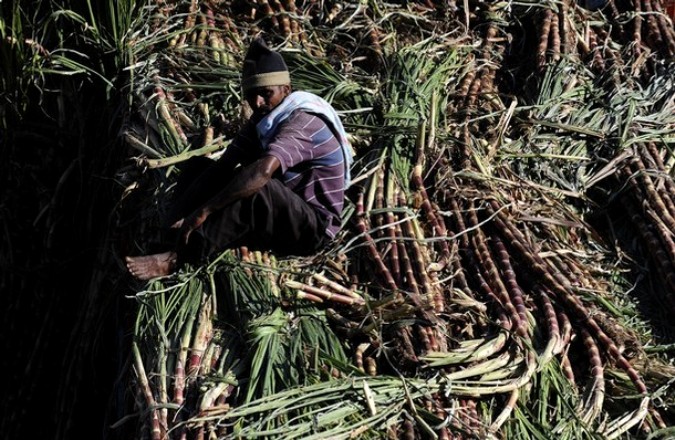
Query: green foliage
[(560, 136)]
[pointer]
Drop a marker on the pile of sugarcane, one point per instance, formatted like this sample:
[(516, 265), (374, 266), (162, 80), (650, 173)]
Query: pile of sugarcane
[(466, 295)]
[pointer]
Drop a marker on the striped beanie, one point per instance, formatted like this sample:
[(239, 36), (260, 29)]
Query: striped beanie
[(263, 67)]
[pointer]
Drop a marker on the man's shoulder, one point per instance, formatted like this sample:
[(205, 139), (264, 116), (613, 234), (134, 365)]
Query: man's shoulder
[(299, 116), (311, 124)]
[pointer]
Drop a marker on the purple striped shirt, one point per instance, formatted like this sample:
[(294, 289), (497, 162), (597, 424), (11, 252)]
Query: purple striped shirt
[(312, 162)]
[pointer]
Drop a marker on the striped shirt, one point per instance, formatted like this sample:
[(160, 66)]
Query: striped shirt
[(312, 162)]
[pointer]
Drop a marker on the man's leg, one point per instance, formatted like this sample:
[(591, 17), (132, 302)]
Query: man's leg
[(198, 182), (275, 218)]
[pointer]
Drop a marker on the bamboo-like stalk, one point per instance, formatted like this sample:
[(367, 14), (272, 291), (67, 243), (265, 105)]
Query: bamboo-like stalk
[(652, 195), (423, 333), (407, 269), (305, 289), (391, 200), (172, 125), (202, 337), (379, 202), (661, 261), (637, 25), (566, 328), (554, 35), (372, 248), (568, 298), (473, 262), (437, 226), (182, 157), (156, 432), (653, 31), (554, 345), (339, 288), (514, 290), (544, 37), (505, 413), (650, 154), (181, 362), (485, 349), (566, 368), (487, 264), (358, 355), (300, 294), (596, 388), (419, 257), (482, 367), (666, 28)]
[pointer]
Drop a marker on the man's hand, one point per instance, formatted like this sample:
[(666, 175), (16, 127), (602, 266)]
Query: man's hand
[(249, 180), (190, 223)]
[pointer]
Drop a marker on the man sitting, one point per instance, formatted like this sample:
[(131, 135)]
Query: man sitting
[(279, 185)]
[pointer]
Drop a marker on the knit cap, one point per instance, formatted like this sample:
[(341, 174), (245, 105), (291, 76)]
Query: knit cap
[(263, 67)]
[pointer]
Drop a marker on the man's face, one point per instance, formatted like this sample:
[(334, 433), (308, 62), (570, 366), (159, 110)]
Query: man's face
[(264, 99)]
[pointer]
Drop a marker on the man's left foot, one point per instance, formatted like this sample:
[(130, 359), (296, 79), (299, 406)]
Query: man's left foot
[(146, 267)]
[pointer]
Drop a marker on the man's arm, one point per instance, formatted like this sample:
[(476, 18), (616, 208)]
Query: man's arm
[(248, 181)]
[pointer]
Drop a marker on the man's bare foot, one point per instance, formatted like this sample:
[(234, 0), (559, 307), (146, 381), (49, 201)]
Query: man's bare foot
[(146, 267)]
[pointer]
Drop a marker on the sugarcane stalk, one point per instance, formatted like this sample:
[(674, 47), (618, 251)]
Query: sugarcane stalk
[(437, 226), (351, 327), (472, 262), (423, 334), (566, 328), (202, 337), (486, 349), (562, 16), (308, 296), (358, 355), (663, 264), (339, 288), (566, 368), (379, 202), (171, 124), (554, 38), (323, 294), (653, 30), (162, 358), (391, 199), (505, 413), (422, 305), (420, 257), (619, 426), (554, 345), (133, 142), (371, 366), (472, 415), (514, 290), (481, 368), (647, 187), (596, 390), (544, 37), (181, 362), (637, 25), (651, 155), (666, 28), (564, 294), (182, 157), (487, 265), (156, 432), (372, 248)]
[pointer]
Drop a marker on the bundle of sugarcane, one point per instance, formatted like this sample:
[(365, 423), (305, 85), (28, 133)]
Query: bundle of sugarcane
[(465, 297), (648, 195)]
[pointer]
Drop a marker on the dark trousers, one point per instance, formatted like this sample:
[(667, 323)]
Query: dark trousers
[(274, 218)]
